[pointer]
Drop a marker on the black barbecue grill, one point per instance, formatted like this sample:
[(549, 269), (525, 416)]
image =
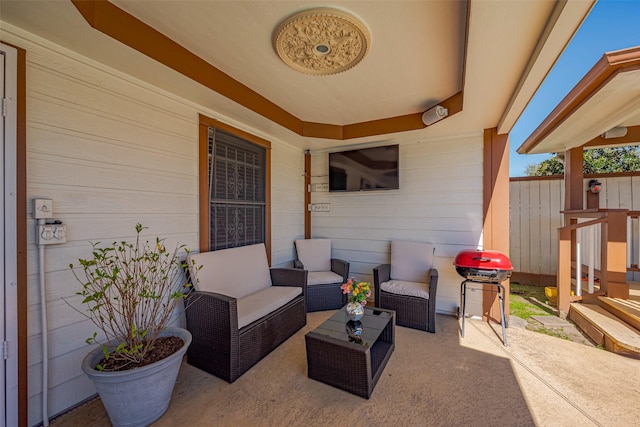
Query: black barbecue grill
[(486, 267)]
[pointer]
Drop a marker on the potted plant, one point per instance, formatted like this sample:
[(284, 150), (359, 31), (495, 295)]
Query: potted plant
[(131, 291)]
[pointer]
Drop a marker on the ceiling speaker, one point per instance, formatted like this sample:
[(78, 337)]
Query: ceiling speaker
[(434, 114)]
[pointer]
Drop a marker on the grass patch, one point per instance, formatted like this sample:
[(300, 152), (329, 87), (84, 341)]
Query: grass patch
[(527, 300), (523, 309)]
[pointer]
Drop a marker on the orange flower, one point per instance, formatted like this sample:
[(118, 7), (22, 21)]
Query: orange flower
[(358, 291)]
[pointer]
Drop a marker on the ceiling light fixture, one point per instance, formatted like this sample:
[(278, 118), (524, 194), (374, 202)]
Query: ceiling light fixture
[(321, 41), (616, 132)]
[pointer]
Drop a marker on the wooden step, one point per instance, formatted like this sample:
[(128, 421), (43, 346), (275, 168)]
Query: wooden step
[(606, 330), (624, 309)]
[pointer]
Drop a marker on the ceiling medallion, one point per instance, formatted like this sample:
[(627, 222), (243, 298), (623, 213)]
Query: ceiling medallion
[(321, 41)]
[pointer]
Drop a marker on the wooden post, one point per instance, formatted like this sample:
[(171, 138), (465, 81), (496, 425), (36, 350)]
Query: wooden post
[(307, 195), (593, 200), (496, 213), (573, 200), (573, 177), (614, 256), (564, 269)]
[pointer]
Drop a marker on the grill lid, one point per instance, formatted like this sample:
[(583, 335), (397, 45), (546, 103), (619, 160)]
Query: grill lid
[(483, 260)]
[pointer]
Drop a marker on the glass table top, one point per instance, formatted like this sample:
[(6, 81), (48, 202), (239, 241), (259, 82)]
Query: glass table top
[(364, 331)]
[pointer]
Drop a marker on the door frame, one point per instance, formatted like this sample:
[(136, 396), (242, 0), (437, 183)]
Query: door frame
[(8, 250), (15, 229)]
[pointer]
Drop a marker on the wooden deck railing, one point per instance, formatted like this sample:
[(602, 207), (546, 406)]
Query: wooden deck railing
[(613, 254), (633, 241)]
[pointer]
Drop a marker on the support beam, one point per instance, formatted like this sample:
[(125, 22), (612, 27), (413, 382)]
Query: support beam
[(573, 176), (307, 195), (495, 212)]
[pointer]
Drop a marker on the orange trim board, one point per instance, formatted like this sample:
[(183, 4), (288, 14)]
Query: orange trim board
[(21, 231), (495, 202), (632, 136), (118, 24)]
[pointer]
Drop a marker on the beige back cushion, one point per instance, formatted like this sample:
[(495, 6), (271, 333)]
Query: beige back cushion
[(315, 254), (411, 261), (236, 272)]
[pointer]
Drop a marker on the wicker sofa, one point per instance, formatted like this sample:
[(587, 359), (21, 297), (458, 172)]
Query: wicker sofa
[(240, 309)]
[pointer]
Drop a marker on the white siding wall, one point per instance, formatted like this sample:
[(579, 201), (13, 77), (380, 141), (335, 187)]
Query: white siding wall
[(112, 151), (439, 201), (287, 206)]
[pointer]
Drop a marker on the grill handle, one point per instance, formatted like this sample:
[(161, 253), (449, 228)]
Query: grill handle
[(482, 259)]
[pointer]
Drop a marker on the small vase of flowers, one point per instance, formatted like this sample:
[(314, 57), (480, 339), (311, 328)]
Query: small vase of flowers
[(358, 293)]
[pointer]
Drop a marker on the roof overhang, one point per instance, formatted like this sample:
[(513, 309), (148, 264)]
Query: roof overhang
[(559, 29), (218, 56), (607, 97)]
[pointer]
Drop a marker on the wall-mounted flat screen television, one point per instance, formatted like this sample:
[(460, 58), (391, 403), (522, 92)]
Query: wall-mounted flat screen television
[(366, 169)]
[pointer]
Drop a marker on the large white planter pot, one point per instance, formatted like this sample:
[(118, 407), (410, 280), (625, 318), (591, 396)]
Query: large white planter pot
[(139, 396)]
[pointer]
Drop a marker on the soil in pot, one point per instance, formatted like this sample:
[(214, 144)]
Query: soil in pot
[(138, 397), (164, 347)]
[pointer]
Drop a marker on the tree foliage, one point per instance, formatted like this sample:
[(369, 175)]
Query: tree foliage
[(597, 160), (609, 160), (552, 166)]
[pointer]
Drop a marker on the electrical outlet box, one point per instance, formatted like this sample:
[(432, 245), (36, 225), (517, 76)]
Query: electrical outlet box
[(319, 207), (42, 208), (50, 234)]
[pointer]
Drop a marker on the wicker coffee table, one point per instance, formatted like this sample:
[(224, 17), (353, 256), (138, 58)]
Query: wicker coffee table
[(351, 355)]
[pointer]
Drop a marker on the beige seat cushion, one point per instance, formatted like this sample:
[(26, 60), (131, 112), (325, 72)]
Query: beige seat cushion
[(236, 272), (315, 254), (401, 287), (411, 261), (322, 278), (254, 306)]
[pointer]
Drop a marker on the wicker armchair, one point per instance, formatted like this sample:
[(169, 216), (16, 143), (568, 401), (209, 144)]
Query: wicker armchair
[(241, 309), (408, 285), (326, 274)]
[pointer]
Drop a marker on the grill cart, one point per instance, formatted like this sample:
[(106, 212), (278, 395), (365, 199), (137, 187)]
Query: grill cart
[(487, 268)]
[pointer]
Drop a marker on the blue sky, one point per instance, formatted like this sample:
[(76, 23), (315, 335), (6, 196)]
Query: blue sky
[(611, 25)]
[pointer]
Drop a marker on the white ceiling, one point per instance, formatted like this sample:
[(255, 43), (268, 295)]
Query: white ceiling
[(416, 58), (416, 52)]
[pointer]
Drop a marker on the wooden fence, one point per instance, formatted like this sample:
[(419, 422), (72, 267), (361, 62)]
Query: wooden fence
[(535, 205)]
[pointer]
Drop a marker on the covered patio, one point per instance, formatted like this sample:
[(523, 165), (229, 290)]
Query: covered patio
[(113, 106)]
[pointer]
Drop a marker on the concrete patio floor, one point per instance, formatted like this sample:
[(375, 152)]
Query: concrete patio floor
[(431, 379)]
